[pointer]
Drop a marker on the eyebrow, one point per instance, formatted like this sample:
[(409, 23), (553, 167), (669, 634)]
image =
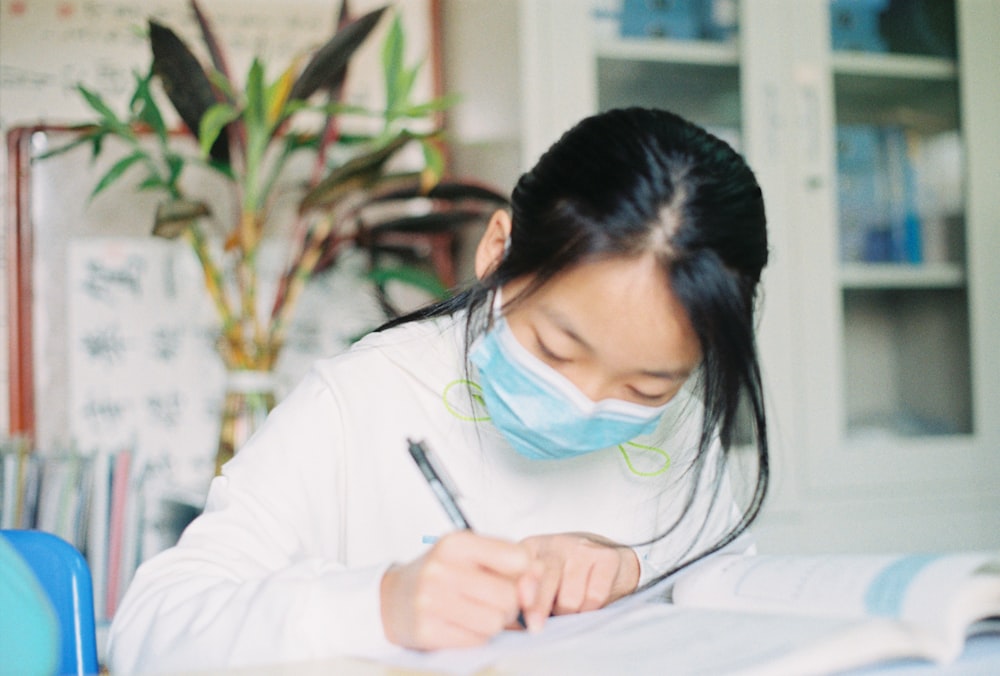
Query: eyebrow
[(559, 320)]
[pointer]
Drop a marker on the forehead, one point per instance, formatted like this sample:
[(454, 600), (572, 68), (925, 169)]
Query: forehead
[(623, 307)]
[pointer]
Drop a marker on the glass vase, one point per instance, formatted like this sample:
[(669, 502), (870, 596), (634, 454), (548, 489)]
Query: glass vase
[(250, 396)]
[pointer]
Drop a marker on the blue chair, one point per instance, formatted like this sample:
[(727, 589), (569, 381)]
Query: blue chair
[(65, 577)]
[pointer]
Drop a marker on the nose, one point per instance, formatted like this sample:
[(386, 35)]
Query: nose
[(594, 385)]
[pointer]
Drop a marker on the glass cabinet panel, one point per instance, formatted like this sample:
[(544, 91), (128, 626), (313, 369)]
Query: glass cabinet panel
[(681, 56), (901, 219)]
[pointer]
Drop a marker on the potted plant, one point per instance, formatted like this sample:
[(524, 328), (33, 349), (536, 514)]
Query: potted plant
[(248, 132)]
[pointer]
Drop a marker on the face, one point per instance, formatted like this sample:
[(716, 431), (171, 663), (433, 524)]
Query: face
[(613, 328)]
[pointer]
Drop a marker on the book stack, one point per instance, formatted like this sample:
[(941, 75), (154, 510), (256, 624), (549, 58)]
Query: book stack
[(877, 190), (94, 502)]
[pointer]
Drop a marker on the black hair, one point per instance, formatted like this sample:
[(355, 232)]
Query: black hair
[(636, 181)]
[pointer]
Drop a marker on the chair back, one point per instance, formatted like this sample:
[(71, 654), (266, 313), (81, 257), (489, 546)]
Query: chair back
[(64, 575)]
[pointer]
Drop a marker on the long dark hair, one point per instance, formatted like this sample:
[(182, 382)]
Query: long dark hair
[(633, 181)]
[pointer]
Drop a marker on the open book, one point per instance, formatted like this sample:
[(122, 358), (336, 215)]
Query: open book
[(913, 606), (766, 615)]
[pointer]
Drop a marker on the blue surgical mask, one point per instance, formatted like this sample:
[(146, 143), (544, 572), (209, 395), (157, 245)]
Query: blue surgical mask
[(541, 412)]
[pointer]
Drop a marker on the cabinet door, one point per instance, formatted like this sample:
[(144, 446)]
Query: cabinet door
[(891, 272), (880, 340)]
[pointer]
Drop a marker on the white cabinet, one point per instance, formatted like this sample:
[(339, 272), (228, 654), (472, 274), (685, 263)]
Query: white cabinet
[(881, 353)]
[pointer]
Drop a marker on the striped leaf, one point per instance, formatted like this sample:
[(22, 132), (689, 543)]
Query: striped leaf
[(185, 82), (328, 67)]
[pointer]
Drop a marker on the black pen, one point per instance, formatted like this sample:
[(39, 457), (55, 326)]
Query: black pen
[(421, 456)]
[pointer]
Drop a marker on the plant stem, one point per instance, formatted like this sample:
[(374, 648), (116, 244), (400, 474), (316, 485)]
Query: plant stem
[(297, 276), (215, 286)]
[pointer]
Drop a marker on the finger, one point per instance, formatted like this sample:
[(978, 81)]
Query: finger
[(588, 580), (500, 556), (483, 619), (549, 580), (479, 603), (527, 592), (598, 586), (572, 587), (436, 632)]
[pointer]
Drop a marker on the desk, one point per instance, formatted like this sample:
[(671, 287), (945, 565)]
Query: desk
[(981, 658)]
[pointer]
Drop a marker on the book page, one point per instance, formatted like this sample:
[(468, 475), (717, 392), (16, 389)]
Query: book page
[(662, 638), (925, 591)]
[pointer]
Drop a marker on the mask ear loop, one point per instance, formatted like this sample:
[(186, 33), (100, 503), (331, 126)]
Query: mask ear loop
[(496, 311), (496, 306)]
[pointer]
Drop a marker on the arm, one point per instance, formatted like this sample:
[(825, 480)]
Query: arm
[(583, 571), (256, 578)]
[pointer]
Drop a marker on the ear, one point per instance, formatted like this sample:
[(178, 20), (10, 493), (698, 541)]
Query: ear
[(493, 244)]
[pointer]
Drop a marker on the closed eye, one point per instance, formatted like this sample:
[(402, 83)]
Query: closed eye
[(657, 398), (549, 354)]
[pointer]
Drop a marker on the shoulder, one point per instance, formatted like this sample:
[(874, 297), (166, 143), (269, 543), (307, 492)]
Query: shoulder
[(421, 350)]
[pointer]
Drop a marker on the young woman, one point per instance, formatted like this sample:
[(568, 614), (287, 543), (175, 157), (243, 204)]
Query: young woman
[(582, 396)]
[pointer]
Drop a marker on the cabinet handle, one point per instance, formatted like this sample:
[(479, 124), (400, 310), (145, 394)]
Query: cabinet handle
[(810, 134)]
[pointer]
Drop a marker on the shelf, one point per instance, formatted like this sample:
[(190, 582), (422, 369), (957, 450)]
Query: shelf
[(918, 91), (699, 80), (695, 52), (902, 276), (894, 66)]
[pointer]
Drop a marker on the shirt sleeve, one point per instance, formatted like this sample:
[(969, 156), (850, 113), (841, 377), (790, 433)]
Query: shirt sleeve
[(258, 577)]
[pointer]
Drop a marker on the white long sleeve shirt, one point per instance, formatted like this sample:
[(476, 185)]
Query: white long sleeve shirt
[(286, 561)]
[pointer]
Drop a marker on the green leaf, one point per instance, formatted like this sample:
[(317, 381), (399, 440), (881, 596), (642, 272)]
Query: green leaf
[(357, 173), (116, 171), (434, 105), (212, 123), (222, 82), (296, 141), (434, 160), (83, 139), (95, 101), (146, 109), (96, 145), (175, 215), (411, 276), (406, 80), (175, 165), (392, 64), (152, 182), (256, 105)]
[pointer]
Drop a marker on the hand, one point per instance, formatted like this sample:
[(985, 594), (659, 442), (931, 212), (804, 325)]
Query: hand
[(463, 591), (581, 572)]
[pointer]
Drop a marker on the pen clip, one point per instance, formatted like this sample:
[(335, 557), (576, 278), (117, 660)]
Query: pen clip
[(439, 470)]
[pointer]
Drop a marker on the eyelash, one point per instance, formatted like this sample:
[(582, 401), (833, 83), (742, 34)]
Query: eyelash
[(648, 397), (549, 354)]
